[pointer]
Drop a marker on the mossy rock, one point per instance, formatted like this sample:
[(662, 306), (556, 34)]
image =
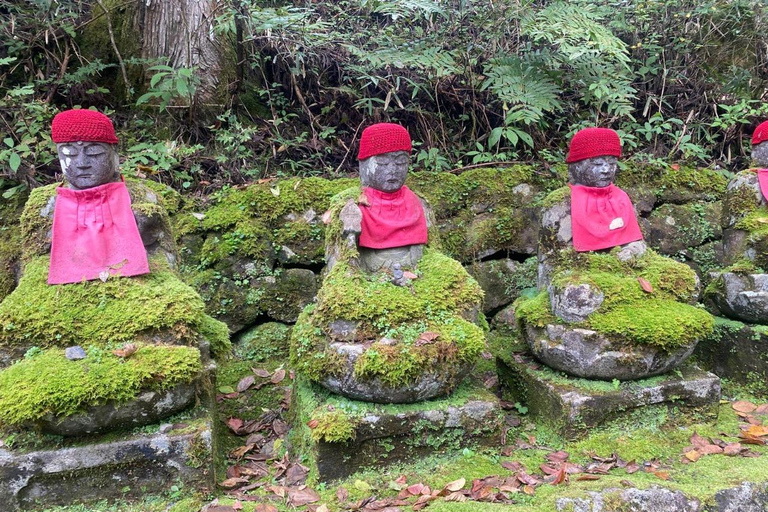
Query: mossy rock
[(659, 322), (678, 184), (154, 307), (48, 384), (388, 323), (264, 342), (10, 242)]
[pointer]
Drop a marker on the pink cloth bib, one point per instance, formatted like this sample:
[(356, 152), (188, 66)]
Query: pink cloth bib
[(392, 219), (762, 178), (602, 217), (94, 231)]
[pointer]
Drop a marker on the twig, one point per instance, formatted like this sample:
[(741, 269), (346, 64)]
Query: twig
[(114, 47), (63, 70), (350, 147)]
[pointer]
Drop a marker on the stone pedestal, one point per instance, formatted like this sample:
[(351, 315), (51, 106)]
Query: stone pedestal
[(387, 434), (574, 406), (110, 467), (737, 352)]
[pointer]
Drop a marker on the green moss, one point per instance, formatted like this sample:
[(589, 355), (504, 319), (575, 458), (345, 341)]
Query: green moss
[(661, 318), (217, 334), (49, 383), (434, 302), (333, 426), (264, 342), (556, 197), (672, 185), (98, 313)]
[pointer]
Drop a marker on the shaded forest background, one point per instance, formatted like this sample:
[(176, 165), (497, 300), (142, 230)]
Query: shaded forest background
[(208, 93)]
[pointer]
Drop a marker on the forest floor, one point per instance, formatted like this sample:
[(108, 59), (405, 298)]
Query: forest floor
[(530, 471)]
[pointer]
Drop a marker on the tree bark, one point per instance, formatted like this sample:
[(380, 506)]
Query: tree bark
[(182, 32)]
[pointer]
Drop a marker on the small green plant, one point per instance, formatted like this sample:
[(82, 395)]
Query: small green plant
[(170, 85)]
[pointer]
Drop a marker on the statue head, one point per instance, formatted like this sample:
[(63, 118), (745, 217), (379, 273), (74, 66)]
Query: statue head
[(385, 150), (87, 147), (593, 157), (760, 145)]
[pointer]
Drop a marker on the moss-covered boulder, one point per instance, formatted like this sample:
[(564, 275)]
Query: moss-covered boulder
[(674, 229), (10, 242), (101, 391), (503, 280), (264, 342), (643, 325)]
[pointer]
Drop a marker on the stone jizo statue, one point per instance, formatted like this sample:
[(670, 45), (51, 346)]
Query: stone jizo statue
[(388, 223), (741, 291), (606, 308)]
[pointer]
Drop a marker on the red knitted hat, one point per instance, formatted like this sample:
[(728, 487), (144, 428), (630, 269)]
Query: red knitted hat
[(593, 142), (82, 125), (383, 138), (761, 133)]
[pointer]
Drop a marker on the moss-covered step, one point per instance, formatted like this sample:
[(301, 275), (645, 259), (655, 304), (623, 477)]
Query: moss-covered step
[(737, 352), (125, 466), (573, 406), (338, 437)]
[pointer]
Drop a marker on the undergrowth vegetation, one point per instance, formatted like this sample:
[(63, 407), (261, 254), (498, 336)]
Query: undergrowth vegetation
[(474, 83)]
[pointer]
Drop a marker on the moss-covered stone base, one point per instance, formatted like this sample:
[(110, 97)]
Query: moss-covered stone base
[(573, 406), (127, 466), (737, 352), (339, 437)]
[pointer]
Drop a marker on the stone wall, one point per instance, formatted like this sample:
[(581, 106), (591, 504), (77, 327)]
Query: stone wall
[(255, 254)]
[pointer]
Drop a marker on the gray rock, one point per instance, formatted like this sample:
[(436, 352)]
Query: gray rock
[(285, 295), (502, 280), (675, 228), (373, 260), (343, 330), (588, 354), (148, 407), (748, 497), (655, 499), (104, 470), (575, 302), (741, 296), (631, 250), (428, 385), (74, 353)]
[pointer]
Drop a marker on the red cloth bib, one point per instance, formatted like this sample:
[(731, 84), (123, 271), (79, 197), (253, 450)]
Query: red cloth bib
[(762, 178), (94, 231), (602, 217), (392, 220)]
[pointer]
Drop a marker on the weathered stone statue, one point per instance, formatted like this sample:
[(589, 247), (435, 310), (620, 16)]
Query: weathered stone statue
[(394, 318), (98, 278), (741, 290), (609, 307), (389, 225)]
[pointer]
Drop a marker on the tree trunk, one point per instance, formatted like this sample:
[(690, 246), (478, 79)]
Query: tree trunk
[(181, 32)]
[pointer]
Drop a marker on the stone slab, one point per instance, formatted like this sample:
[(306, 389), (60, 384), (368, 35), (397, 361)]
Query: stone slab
[(110, 468), (573, 406), (737, 352), (388, 434)]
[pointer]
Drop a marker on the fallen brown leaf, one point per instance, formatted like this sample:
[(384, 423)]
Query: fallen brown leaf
[(278, 376), (127, 351), (231, 483), (645, 285), (342, 494), (426, 338), (302, 496), (744, 406), (261, 372), (455, 485), (265, 507), (245, 383), (588, 477)]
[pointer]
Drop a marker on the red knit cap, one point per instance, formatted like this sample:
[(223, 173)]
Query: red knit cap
[(82, 125), (383, 138), (761, 133), (593, 142)]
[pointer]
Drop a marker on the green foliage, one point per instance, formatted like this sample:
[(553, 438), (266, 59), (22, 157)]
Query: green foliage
[(48, 383), (170, 86)]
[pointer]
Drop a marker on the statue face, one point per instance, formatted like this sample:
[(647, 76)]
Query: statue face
[(760, 154), (593, 172), (385, 172), (88, 164)]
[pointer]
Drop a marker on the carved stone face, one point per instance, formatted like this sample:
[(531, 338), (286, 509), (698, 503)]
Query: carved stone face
[(385, 172), (593, 172), (760, 154), (88, 164)]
